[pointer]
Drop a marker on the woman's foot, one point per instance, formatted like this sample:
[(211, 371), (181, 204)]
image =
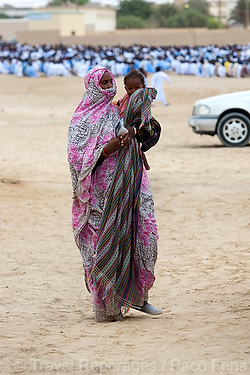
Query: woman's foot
[(115, 318), (151, 310), (148, 309)]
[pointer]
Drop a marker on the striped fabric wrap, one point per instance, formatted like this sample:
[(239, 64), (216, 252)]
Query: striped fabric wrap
[(139, 108), (113, 275)]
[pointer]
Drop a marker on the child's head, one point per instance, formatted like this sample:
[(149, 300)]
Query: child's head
[(133, 81)]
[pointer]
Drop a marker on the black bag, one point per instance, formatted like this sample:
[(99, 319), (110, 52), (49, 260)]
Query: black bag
[(147, 140)]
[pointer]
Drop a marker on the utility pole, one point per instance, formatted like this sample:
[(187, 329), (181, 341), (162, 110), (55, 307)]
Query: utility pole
[(219, 12), (247, 14)]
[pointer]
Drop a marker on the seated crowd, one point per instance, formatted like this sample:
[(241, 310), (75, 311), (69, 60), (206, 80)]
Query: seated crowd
[(47, 60)]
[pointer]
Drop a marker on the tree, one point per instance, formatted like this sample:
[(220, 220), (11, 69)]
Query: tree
[(188, 18), (57, 3), (139, 14), (239, 12), (138, 8), (214, 23), (200, 5), (130, 22), (161, 13), (2, 15)]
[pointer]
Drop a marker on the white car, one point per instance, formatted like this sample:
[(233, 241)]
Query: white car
[(227, 115)]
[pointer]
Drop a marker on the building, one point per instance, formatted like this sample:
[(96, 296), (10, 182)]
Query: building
[(98, 18), (65, 22), (13, 12), (222, 9), (59, 24)]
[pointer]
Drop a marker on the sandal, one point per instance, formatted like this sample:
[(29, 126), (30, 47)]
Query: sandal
[(148, 309)]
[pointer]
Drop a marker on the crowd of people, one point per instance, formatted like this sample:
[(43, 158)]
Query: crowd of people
[(47, 60)]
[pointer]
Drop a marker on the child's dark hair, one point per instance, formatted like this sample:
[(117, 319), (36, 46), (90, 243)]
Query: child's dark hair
[(134, 74)]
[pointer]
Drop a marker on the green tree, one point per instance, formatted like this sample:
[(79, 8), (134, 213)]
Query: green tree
[(239, 12), (130, 22), (214, 23), (188, 18), (161, 13), (58, 3), (138, 8), (2, 15), (200, 5), (177, 21)]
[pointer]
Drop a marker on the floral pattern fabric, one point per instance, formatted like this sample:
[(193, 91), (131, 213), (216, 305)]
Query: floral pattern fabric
[(91, 127)]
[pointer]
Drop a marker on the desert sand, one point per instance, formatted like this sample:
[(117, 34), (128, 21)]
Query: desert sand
[(202, 199)]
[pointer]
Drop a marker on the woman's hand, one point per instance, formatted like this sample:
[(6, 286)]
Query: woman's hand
[(116, 144)]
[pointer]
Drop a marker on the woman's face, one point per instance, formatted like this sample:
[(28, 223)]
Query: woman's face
[(133, 84), (106, 81)]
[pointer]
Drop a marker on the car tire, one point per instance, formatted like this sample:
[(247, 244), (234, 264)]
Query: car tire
[(233, 129)]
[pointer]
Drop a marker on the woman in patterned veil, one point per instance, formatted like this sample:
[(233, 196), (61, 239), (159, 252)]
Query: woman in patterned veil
[(113, 209)]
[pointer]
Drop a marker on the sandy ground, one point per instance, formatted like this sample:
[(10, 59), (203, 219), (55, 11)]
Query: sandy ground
[(202, 199)]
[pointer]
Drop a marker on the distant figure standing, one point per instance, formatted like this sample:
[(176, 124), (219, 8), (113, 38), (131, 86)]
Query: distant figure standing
[(157, 82)]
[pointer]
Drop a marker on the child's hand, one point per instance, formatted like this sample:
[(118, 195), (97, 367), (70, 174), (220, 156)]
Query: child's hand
[(124, 140)]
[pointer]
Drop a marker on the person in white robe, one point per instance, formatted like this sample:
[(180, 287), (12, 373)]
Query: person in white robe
[(18, 71), (157, 81)]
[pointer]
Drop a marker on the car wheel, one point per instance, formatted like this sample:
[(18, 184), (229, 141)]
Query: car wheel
[(234, 130)]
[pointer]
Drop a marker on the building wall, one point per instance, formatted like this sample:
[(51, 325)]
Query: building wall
[(155, 37), (43, 22), (165, 37), (67, 24), (105, 20), (39, 37), (72, 24), (9, 28), (90, 20), (97, 18), (222, 37)]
